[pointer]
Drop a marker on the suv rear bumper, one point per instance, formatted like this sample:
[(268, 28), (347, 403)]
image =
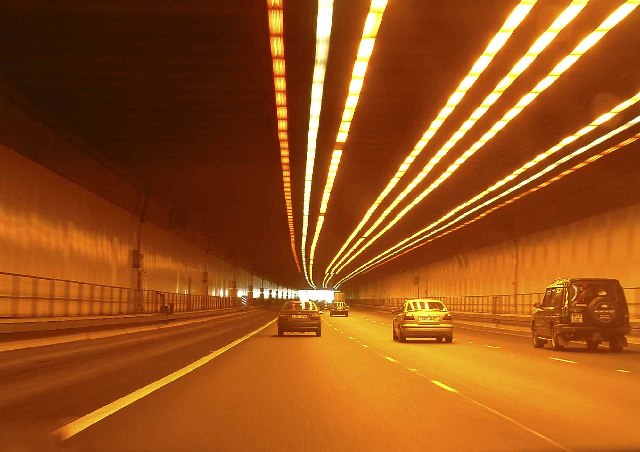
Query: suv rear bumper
[(592, 332)]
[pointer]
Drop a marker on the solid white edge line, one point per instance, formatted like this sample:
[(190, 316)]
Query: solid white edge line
[(623, 371), (513, 421), (391, 359), (72, 428)]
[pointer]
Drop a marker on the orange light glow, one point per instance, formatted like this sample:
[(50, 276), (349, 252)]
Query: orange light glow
[(276, 29)]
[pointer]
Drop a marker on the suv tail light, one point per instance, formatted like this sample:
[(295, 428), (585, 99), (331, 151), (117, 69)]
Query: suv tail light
[(409, 317)]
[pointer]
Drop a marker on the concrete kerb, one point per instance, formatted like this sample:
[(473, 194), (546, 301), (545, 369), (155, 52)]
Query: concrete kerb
[(65, 334), (53, 324)]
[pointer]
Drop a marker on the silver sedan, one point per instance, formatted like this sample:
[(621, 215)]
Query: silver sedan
[(422, 318)]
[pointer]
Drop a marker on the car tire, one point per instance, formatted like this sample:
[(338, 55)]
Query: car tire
[(535, 340), (615, 344), (401, 337), (346, 315), (319, 333), (448, 339), (331, 314), (592, 345), (280, 331), (395, 336), (554, 340)]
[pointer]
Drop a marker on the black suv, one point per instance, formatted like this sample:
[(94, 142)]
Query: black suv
[(582, 309)]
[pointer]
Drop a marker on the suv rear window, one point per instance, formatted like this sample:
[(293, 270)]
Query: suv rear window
[(583, 292)]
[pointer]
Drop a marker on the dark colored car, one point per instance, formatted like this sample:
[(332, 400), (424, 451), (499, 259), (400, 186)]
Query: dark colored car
[(339, 308), (594, 310), (299, 317)]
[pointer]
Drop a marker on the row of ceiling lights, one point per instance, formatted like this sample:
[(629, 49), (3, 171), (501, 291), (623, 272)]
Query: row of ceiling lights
[(365, 50), (526, 100), (276, 37), (433, 232)]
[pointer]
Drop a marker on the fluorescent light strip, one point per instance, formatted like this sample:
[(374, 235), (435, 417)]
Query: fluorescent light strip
[(495, 45), (276, 39), (414, 240), (365, 50), (526, 100), (323, 36), (515, 198)]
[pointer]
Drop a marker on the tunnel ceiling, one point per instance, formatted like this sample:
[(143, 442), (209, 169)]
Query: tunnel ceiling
[(181, 96)]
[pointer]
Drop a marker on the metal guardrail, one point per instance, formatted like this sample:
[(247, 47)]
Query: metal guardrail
[(519, 304), (35, 296)]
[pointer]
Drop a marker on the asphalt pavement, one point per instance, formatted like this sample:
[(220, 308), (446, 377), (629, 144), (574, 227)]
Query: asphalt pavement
[(236, 385)]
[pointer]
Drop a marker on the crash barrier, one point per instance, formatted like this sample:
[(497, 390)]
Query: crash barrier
[(35, 296), (516, 304)]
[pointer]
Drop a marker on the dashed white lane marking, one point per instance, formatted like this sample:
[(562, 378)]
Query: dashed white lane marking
[(350, 338), (491, 346), (72, 428), (443, 386), (623, 371), (475, 402), (471, 342), (563, 360), (341, 332)]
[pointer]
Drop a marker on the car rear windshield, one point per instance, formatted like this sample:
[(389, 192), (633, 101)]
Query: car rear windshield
[(424, 305), (297, 306)]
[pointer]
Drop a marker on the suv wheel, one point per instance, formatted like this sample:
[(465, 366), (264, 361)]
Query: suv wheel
[(535, 340), (592, 345), (555, 344), (615, 344), (448, 339)]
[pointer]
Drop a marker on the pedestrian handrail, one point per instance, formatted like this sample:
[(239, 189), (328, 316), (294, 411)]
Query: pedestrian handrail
[(516, 304), (37, 296)]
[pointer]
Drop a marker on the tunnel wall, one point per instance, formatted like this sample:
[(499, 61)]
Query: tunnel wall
[(604, 245), (52, 227)]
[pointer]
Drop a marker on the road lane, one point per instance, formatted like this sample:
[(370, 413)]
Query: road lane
[(45, 387), (300, 392), (354, 388), (584, 405)]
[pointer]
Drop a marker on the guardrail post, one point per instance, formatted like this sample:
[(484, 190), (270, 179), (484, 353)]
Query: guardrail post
[(52, 298), (34, 297)]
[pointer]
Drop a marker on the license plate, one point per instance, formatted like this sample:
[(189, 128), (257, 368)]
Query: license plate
[(428, 318), (298, 316), (576, 317)]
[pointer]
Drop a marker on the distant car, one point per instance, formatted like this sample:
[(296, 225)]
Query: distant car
[(299, 317), (423, 318), (339, 308), (594, 310)]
